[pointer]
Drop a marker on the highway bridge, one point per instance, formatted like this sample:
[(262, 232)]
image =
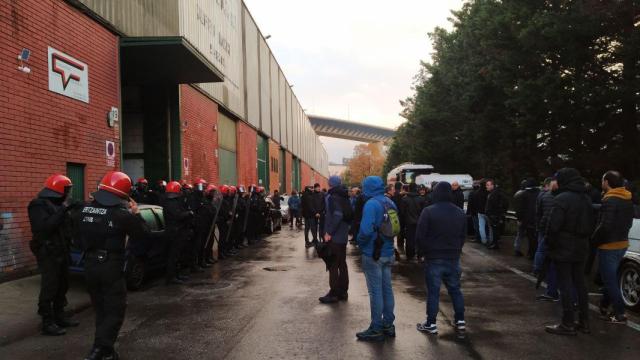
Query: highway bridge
[(343, 129)]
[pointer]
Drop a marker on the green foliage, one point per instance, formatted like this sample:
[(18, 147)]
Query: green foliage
[(520, 88)]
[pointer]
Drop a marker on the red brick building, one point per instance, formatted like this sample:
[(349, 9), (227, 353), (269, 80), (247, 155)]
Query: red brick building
[(95, 94)]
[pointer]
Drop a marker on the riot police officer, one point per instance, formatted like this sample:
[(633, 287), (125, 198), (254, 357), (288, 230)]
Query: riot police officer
[(202, 214), (50, 245), (240, 223), (224, 216), (177, 220), (103, 226), (212, 206), (141, 193)]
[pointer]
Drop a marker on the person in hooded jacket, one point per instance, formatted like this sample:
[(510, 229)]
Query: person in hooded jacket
[(102, 229), (377, 272), (526, 215), (411, 207), (442, 230), (472, 211), (544, 204), (571, 223), (48, 215), (611, 238), (337, 234), (497, 205), (309, 214)]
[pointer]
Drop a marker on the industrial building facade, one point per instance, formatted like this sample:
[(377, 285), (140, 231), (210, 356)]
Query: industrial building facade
[(165, 89)]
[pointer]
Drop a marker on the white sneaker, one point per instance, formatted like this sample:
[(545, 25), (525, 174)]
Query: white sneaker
[(428, 328)]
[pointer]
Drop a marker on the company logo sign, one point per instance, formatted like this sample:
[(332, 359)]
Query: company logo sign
[(68, 76)]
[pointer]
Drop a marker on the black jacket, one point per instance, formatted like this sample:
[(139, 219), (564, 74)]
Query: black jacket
[(480, 200), (318, 203), (571, 220), (307, 204), (358, 209), (51, 235), (615, 218), (526, 206), (410, 208), (458, 198), (497, 204), (472, 204), (544, 204), (177, 217)]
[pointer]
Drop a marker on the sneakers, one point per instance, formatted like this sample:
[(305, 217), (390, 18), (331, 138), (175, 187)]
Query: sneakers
[(561, 329), (427, 328), (371, 335), (389, 330), (545, 297), (616, 319), (328, 299), (461, 329)]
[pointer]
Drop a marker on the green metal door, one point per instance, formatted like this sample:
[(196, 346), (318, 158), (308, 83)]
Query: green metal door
[(282, 172), (295, 179), (75, 172), (263, 161), (227, 150)]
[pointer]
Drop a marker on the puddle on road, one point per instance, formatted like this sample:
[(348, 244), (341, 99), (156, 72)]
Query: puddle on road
[(279, 268)]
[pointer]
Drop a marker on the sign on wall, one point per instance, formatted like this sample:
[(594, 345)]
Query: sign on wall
[(110, 152), (68, 76)]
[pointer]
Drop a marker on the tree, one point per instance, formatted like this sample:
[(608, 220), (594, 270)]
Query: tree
[(519, 88), (367, 160)]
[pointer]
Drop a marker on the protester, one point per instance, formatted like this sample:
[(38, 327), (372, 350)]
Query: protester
[(357, 214), (397, 200), (480, 201), (377, 271), (442, 229), (410, 209), (570, 226), (338, 214), (319, 208), (611, 238), (472, 211), (497, 205), (525, 207), (310, 220), (544, 204), (457, 195), (294, 204)]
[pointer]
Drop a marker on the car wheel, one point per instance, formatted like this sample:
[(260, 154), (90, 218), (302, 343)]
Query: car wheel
[(135, 273), (630, 284)]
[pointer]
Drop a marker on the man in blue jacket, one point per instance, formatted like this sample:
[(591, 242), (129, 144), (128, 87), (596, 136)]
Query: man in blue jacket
[(442, 229), (336, 234), (377, 272)]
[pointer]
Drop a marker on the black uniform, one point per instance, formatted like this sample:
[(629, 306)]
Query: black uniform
[(213, 206), (224, 221), (50, 245), (197, 204), (102, 231), (177, 222), (254, 216), (142, 196), (239, 222)]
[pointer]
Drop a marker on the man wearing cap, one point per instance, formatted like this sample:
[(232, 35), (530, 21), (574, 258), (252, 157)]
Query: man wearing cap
[(337, 220), (50, 245), (103, 226)]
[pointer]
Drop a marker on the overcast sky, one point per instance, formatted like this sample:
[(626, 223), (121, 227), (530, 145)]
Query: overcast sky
[(351, 59)]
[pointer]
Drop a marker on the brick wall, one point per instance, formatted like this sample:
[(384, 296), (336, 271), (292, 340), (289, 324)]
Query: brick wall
[(274, 154), (306, 175), (42, 130), (247, 155), (199, 139)]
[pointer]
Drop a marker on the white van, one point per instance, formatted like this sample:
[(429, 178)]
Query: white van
[(464, 180), (629, 273)]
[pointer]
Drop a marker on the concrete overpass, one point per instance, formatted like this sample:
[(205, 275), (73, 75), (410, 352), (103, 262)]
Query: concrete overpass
[(342, 129)]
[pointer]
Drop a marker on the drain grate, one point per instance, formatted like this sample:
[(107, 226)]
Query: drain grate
[(279, 268)]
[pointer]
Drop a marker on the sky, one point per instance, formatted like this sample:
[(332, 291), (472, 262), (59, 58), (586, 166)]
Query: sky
[(351, 59)]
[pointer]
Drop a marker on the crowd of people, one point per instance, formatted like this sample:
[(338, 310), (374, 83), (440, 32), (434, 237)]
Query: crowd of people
[(567, 224)]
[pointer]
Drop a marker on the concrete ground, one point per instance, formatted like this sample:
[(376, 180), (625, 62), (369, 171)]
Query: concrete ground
[(263, 305)]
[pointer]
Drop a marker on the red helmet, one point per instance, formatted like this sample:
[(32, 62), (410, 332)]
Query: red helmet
[(199, 181), (142, 181), (224, 190), (232, 190), (173, 187), (210, 189), (117, 183), (57, 183)]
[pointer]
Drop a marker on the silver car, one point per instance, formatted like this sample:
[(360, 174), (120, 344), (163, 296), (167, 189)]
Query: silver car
[(629, 273)]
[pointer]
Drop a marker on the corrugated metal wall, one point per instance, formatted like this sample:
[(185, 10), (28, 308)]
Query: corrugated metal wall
[(275, 99), (265, 87), (139, 17), (252, 70)]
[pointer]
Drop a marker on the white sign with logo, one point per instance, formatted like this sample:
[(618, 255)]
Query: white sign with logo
[(110, 152), (68, 76)]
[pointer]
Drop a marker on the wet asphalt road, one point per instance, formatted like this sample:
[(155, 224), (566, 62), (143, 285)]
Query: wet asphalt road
[(263, 305)]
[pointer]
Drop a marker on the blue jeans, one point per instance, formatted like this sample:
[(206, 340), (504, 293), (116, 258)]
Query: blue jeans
[(378, 276), (483, 222), (538, 261), (448, 271), (609, 261)]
